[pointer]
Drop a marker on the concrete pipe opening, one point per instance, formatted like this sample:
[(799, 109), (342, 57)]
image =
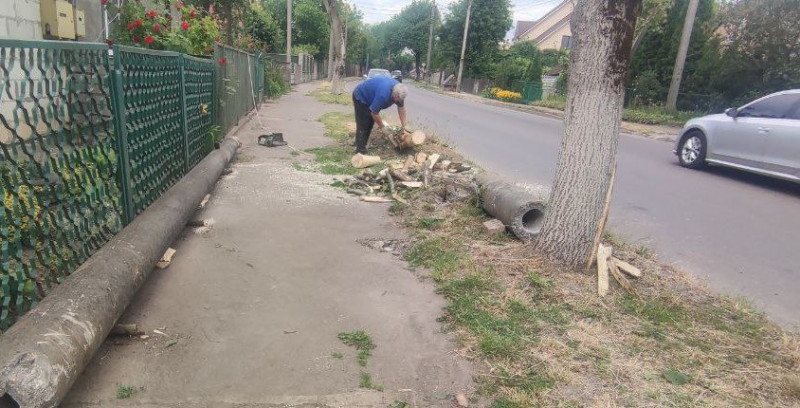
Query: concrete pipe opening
[(532, 221)]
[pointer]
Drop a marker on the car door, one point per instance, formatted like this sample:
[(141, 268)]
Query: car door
[(743, 138), (782, 151)]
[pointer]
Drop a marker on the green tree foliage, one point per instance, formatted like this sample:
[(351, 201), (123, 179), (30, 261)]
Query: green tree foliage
[(520, 64), (409, 29), (490, 21), (655, 58), (263, 27)]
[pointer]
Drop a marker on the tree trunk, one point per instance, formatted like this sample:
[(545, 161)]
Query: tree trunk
[(642, 32), (330, 56), (577, 209), (418, 61), (332, 7), (228, 24)]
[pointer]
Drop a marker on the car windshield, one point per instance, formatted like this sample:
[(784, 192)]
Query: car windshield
[(378, 72), (397, 73)]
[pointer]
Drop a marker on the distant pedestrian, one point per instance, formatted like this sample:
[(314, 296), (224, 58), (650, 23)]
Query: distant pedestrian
[(369, 99)]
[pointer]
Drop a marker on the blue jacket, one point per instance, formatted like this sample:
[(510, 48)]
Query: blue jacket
[(376, 93)]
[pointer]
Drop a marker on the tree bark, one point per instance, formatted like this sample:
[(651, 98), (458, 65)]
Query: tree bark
[(577, 209), (332, 7)]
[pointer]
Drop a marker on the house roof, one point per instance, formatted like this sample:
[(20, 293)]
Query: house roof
[(546, 17), (522, 27)]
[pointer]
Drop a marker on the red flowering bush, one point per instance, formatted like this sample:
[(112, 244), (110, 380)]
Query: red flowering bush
[(137, 26)]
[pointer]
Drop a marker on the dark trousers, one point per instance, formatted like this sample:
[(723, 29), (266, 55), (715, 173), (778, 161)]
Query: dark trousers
[(364, 124)]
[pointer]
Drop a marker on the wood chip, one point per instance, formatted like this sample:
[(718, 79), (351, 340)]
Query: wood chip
[(627, 268), (421, 157), (205, 200), (619, 278), (166, 259), (411, 184), (375, 199), (432, 159), (408, 163), (603, 253)]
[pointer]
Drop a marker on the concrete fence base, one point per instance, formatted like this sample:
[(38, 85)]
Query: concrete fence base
[(43, 354), (520, 207)]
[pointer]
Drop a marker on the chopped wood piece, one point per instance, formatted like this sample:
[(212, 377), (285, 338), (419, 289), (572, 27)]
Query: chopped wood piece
[(603, 253), (375, 199), (408, 163), (400, 199), (391, 181), (432, 159), (400, 175), (166, 259), (627, 268), (446, 164), (198, 223), (618, 276), (462, 400), (411, 184), (205, 200), (421, 157), (361, 161)]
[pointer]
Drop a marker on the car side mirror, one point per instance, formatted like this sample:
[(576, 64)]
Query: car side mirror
[(732, 112), (365, 76)]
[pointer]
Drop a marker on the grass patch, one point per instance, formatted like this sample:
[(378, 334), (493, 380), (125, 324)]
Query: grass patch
[(365, 381), (324, 95), (337, 355), (362, 342), (648, 115), (540, 336), (333, 159), (127, 391)]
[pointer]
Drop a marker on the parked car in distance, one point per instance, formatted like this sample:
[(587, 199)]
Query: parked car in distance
[(397, 75), (761, 137), (376, 72)]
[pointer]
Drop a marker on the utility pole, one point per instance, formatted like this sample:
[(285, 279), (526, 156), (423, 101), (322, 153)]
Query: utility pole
[(463, 48), (289, 38), (680, 59), (430, 39)]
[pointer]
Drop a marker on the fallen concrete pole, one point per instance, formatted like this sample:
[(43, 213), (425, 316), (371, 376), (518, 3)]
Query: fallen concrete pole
[(520, 207), (46, 350)]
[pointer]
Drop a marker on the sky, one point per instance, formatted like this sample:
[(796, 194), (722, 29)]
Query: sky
[(379, 10)]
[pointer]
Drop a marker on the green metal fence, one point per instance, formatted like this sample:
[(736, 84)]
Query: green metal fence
[(88, 141), (240, 85)]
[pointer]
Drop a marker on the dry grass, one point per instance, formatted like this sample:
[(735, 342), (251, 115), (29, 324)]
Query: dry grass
[(541, 337)]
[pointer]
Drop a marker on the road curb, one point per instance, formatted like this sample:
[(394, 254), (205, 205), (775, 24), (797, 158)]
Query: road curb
[(43, 354)]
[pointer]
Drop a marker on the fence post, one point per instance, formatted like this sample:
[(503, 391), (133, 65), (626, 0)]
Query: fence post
[(184, 124), (123, 156)]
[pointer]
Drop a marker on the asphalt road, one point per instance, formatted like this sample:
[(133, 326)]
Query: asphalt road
[(739, 232)]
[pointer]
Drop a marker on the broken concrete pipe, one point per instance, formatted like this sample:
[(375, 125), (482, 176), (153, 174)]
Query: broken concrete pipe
[(43, 354), (520, 207)]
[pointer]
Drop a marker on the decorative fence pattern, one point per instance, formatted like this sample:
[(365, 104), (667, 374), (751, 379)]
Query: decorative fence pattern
[(88, 141)]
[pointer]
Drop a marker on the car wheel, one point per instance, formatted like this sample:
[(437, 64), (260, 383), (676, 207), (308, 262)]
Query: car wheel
[(692, 150)]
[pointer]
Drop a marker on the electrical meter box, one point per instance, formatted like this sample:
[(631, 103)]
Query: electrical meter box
[(58, 20), (80, 23)]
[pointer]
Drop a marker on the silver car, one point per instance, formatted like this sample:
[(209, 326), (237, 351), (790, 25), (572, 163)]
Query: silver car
[(761, 137)]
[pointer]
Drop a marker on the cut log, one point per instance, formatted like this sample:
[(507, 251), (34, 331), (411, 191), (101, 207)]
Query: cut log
[(432, 159), (603, 254), (361, 161), (411, 184), (628, 268), (408, 163), (166, 259), (400, 199), (400, 175), (421, 157), (445, 164), (375, 199), (391, 182)]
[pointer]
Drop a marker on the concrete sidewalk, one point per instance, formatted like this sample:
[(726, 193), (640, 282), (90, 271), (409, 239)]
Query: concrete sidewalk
[(255, 302)]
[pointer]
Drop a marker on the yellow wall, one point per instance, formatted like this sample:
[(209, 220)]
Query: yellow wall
[(553, 41), (549, 21)]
